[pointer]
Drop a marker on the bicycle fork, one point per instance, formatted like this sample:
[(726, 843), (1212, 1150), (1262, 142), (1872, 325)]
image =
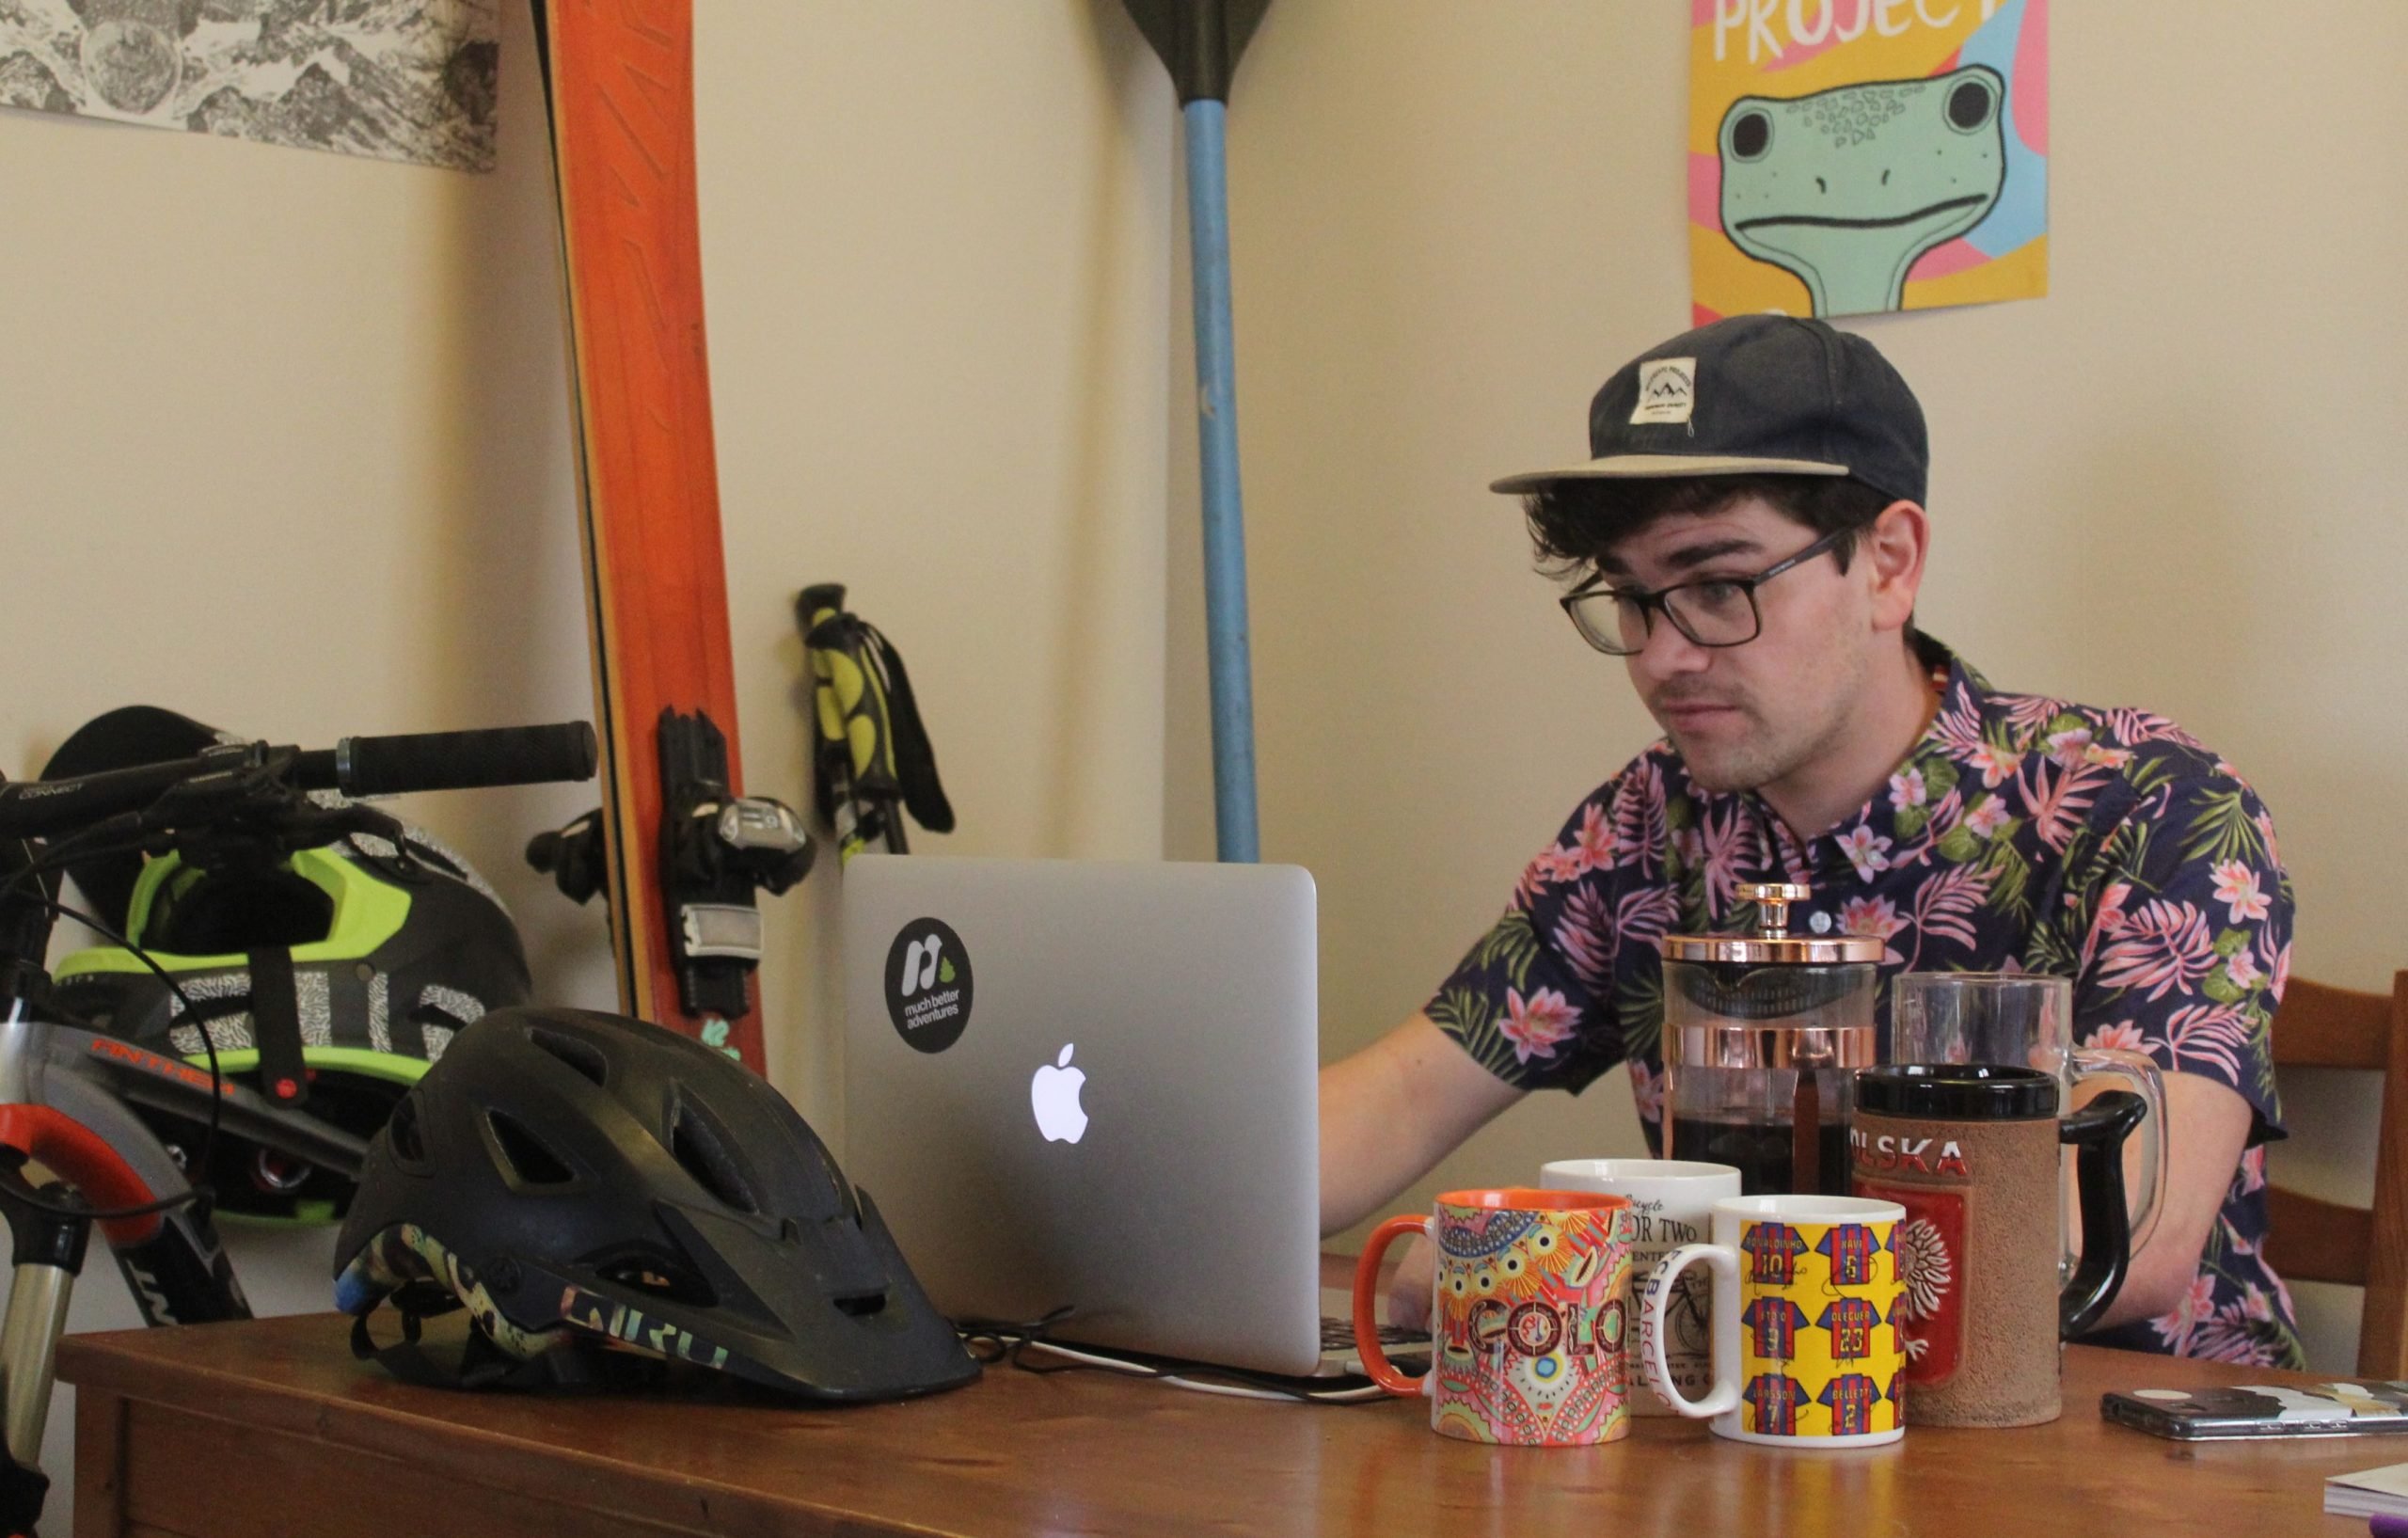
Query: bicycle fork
[(48, 1251), (74, 1128), (48, 1255)]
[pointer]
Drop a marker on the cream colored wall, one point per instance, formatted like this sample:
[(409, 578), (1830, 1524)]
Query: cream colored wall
[(286, 443), (935, 237), (2170, 482)]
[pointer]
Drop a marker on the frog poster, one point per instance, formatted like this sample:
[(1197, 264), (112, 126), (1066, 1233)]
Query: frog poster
[(1852, 156)]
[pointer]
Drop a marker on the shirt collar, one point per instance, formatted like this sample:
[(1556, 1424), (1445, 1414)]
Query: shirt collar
[(1963, 692)]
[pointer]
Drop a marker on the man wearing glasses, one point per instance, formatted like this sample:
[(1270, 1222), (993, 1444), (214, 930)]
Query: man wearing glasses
[(1749, 536)]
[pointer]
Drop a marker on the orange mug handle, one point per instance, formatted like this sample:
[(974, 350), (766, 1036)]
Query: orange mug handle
[(1367, 1323)]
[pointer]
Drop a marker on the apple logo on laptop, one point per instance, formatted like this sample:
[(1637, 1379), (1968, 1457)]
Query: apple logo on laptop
[(1053, 1095)]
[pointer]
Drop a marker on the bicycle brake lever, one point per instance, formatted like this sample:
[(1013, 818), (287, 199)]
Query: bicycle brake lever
[(251, 783)]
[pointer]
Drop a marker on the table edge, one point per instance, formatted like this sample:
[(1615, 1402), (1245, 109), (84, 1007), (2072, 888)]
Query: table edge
[(101, 1362)]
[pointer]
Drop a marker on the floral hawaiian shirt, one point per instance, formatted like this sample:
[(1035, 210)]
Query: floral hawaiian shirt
[(2021, 834)]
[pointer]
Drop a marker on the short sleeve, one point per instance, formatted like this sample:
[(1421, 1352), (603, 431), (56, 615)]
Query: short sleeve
[(2186, 923), (1532, 1001)]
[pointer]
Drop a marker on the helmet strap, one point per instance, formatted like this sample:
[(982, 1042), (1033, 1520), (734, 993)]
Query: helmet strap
[(275, 1022), (485, 1365)]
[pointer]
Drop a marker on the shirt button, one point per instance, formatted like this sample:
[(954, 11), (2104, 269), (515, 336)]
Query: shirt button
[(1820, 923)]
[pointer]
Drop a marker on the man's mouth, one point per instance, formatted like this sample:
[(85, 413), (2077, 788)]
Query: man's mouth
[(1694, 712)]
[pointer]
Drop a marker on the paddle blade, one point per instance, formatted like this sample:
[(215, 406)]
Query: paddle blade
[(1199, 40)]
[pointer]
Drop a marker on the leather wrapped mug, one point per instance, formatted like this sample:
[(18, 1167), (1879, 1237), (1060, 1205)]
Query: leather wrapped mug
[(1971, 1152)]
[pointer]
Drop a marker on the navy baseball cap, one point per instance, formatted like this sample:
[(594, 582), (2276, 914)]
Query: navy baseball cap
[(1753, 395)]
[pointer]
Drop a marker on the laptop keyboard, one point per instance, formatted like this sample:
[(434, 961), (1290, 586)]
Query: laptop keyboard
[(1338, 1335)]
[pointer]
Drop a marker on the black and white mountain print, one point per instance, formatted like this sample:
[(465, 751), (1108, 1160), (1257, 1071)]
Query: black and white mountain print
[(396, 79)]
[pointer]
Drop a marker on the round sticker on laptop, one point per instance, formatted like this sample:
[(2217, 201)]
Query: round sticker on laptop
[(927, 985)]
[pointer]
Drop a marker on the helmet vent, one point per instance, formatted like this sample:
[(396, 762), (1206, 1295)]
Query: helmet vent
[(402, 1135), (702, 1152), (658, 1277), (584, 1056), (226, 912), (862, 1304), (431, 1014), (529, 1162)]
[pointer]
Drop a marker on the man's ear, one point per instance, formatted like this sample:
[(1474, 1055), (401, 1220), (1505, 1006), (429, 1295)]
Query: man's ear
[(1891, 550)]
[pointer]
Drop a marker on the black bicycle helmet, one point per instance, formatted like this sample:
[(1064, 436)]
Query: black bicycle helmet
[(582, 1182), (328, 978)]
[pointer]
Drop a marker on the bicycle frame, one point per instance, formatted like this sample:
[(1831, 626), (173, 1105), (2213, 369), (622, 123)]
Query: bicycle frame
[(69, 1096), (65, 1103)]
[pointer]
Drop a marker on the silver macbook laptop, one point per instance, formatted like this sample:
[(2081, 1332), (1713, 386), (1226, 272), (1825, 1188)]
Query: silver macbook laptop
[(1093, 1083)]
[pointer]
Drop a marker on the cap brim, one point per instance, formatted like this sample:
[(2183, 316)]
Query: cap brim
[(1663, 467)]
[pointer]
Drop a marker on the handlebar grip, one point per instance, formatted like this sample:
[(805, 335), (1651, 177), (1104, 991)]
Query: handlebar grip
[(505, 756)]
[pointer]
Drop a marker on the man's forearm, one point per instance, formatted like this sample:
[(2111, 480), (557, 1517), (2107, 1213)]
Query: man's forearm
[(1364, 1155), (2207, 1126), (1394, 1109)]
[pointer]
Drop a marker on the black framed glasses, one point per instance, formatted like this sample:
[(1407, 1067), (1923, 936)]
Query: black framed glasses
[(1711, 611)]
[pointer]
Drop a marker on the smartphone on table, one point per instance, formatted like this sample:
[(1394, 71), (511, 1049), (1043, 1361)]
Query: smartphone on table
[(2350, 1407)]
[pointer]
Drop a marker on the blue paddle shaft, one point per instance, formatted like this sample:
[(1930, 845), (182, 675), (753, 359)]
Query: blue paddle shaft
[(1217, 423)]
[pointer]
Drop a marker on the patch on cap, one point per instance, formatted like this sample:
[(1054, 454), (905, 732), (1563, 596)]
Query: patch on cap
[(1667, 389)]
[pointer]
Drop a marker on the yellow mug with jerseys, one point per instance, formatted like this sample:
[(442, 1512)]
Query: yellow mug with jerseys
[(1804, 1324)]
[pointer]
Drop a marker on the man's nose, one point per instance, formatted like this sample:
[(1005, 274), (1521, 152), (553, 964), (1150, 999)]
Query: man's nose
[(1669, 653)]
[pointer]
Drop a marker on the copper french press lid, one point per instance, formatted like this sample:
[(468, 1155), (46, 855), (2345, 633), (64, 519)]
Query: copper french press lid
[(1773, 944)]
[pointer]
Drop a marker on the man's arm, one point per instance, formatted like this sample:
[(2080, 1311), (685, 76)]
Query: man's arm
[(2180, 930), (1394, 1109), (2207, 1127)]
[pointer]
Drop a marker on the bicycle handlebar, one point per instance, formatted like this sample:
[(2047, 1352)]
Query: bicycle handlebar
[(505, 755), (358, 765), (39, 808)]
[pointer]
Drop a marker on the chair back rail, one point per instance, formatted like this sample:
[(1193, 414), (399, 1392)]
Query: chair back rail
[(2318, 1025)]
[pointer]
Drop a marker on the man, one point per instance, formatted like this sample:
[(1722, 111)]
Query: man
[(1749, 537)]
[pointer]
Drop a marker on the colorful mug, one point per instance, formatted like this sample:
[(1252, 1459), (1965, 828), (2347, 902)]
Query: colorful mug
[(1806, 1349), (1671, 1202), (1528, 1309)]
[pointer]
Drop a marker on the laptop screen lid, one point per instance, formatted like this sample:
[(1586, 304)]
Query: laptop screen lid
[(1093, 1083)]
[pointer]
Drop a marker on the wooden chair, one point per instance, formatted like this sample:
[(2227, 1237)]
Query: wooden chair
[(2308, 1240)]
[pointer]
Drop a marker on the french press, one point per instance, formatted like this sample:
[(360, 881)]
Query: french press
[(1763, 1036)]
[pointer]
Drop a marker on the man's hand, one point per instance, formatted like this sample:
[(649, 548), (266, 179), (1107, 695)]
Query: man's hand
[(1409, 1289), (1394, 1109)]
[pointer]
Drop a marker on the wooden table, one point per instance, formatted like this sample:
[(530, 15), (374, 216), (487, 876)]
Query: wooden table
[(270, 1427)]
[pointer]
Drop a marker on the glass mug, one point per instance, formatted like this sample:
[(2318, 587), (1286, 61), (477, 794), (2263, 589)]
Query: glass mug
[(1527, 1311), (2026, 1020)]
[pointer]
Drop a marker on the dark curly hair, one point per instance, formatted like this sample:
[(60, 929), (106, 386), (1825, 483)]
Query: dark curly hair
[(1575, 523)]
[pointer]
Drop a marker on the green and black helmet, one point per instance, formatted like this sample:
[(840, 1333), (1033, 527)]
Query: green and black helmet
[(327, 979), (616, 1204)]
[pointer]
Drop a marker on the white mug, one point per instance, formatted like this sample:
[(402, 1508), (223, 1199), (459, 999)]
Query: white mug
[(1672, 1203), (1806, 1347)]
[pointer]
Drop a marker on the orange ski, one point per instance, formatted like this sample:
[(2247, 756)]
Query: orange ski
[(680, 852)]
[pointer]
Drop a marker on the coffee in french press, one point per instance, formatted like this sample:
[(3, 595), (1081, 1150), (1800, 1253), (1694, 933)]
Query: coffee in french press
[(1763, 1035)]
